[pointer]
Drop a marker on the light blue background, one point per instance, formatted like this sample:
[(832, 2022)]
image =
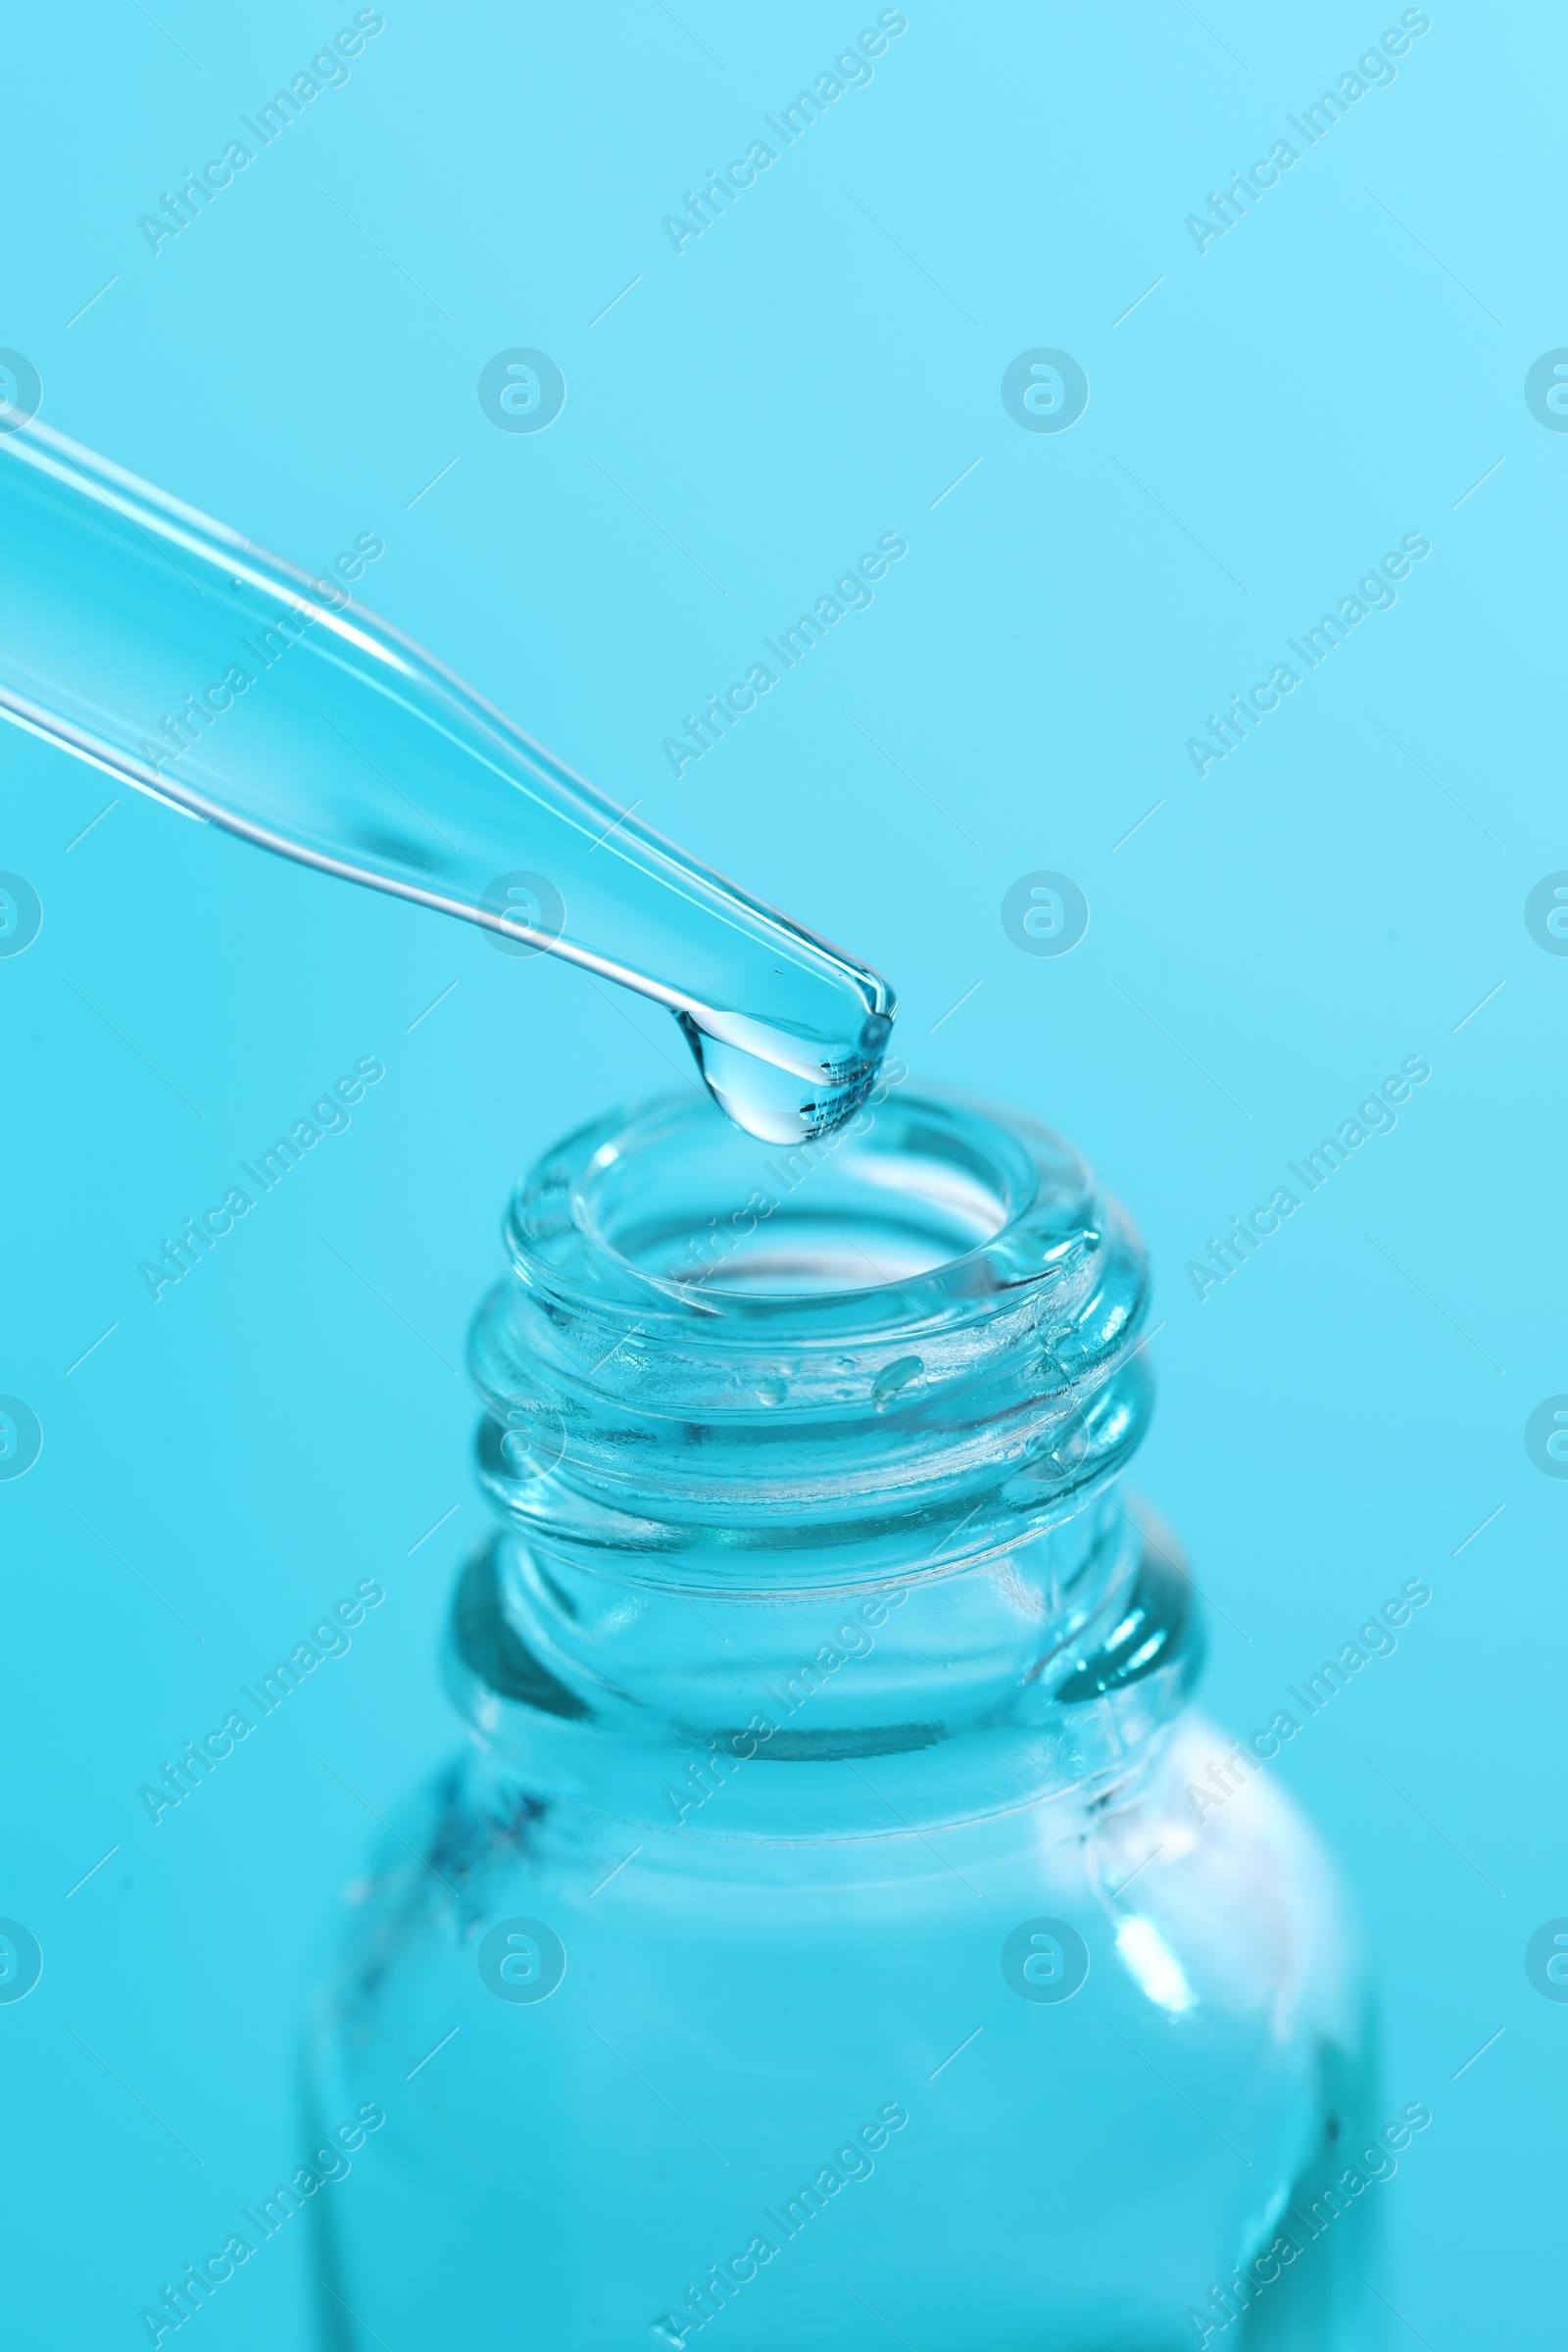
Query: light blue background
[(1340, 369)]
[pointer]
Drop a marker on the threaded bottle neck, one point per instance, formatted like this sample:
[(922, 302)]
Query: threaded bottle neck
[(813, 1458), (917, 1340)]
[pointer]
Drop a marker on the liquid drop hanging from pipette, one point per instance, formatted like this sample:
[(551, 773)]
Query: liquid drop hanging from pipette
[(174, 653)]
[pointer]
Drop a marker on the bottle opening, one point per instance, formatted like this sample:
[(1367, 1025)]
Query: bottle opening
[(906, 1191)]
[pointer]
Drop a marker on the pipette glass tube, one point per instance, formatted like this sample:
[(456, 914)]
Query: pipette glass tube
[(183, 659)]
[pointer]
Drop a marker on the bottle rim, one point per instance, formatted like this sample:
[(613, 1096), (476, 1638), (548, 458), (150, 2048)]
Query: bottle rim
[(926, 1208)]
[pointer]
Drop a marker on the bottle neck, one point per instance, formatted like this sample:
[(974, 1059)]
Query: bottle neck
[(761, 1513), (931, 1695)]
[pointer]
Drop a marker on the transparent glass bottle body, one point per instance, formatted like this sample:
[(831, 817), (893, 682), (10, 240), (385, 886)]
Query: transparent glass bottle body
[(818, 1939)]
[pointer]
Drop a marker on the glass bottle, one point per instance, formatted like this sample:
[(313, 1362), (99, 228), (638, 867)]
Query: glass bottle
[(826, 1936)]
